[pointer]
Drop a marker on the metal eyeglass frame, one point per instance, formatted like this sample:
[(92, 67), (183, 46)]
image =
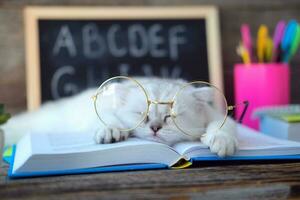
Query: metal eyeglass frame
[(169, 103)]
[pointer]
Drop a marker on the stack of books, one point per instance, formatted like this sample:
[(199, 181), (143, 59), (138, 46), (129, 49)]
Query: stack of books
[(282, 122)]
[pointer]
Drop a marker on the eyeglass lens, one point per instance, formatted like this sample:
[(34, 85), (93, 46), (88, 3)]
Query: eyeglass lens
[(123, 103)]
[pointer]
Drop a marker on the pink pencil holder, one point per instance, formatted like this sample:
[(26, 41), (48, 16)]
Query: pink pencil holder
[(262, 84)]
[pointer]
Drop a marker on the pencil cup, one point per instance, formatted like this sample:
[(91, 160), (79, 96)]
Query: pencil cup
[(262, 84)]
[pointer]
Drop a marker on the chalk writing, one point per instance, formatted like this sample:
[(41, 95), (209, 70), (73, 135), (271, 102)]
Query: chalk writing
[(78, 54), (65, 40)]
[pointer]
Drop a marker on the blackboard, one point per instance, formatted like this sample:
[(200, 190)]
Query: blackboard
[(75, 53)]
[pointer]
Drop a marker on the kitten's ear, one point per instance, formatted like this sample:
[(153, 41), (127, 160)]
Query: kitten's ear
[(203, 93)]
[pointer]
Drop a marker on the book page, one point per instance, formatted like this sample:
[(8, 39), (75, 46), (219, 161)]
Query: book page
[(52, 143), (81, 149), (57, 151), (185, 147), (250, 139)]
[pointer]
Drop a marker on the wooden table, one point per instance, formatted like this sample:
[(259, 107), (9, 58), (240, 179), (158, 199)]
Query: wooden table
[(231, 181)]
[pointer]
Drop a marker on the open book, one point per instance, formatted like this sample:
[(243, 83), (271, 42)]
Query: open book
[(69, 153)]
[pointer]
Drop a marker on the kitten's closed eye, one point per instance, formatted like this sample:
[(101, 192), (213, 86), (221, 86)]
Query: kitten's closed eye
[(147, 119), (166, 118)]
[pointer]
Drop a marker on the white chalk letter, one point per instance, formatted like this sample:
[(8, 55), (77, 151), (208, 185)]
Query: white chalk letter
[(155, 41), (64, 40), (176, 72), (147, 69), (175, 40), (115, 50), (136, 32), (124, 69), (93, 43), (68, 88)]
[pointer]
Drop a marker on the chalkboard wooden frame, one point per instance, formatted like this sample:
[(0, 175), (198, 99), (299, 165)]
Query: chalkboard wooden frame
[(34, 13)]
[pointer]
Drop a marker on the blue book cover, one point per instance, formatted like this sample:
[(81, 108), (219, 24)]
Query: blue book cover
[(197, 160)]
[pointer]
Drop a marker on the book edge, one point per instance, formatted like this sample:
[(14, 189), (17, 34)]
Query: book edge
[(118, 168), (137, 166)]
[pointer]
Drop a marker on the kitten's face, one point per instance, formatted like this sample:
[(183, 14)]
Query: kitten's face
[(158, 125)]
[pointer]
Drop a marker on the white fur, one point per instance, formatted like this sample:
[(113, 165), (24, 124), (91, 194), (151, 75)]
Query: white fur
[(76, 114)]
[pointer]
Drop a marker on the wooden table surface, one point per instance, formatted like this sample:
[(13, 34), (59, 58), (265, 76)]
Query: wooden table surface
[(238, 181)]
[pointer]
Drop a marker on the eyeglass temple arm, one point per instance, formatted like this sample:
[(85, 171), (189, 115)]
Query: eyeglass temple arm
[(246, 104)]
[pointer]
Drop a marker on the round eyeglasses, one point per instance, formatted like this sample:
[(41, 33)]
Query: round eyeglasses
[(193, 107)]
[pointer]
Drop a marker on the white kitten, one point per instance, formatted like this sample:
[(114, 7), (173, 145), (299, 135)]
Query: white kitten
[(76, 114)]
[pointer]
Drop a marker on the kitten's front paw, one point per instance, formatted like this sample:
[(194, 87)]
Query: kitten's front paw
[(220, 143), (109, 135)]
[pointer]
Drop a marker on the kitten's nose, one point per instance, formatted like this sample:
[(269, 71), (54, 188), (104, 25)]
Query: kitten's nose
[(155, 128)]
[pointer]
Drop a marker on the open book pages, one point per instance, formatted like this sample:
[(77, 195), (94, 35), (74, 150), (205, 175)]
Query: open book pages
[(251, 143), (47, 152), (57, 151)]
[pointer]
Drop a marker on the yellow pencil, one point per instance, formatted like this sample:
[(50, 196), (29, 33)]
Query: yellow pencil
[(269, 49), (262, 36), (242, 51)]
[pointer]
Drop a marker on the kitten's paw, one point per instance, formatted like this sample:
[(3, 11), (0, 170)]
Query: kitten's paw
[(220, 143), (109, 135)]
